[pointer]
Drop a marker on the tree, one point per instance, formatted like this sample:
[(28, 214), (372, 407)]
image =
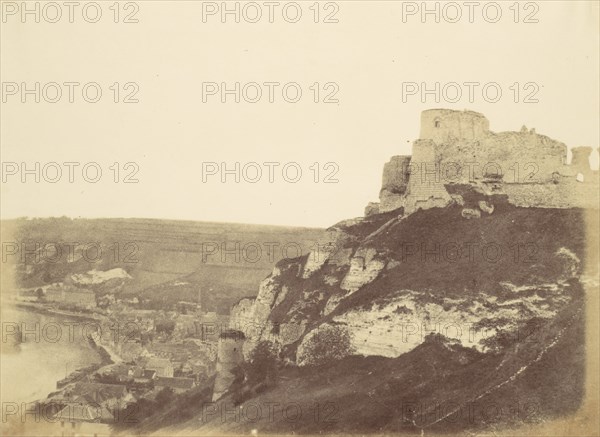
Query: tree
[(262, 365), (324, 345), (166, 326), (165, 396), (239, 391)]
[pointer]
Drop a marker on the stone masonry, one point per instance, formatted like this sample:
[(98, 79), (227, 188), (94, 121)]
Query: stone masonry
[(457, 147)]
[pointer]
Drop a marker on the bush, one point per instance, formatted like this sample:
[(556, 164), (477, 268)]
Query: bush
[(324, 345), (165, 396), (262, 365), (166, 326)]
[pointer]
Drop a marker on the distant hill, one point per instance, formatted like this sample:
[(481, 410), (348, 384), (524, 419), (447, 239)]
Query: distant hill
[(168, 260)]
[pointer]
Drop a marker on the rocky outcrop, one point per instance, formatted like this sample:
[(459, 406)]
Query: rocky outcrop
[(485, 206), (470, 213), (254, 324), (94, 277), (400, 322), (332, 244), (364, 268), (241, 313), (466, 259), (398, 325), (390, 281), (372, 208)]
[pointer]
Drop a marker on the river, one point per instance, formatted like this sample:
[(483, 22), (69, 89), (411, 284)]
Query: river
[(30, 371)]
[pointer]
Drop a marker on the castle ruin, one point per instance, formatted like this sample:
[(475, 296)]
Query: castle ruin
[(457, 147), (229, 356)]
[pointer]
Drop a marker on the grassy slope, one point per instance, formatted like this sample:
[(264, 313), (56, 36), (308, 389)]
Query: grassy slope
[(539, 234)]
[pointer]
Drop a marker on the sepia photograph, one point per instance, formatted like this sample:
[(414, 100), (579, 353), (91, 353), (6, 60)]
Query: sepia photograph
[(312, 217)]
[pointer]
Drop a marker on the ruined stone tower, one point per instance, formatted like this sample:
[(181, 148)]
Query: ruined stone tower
[(229, 356), (425, 185), (394, 182), (457, 147), (445, 125), (580, 161)]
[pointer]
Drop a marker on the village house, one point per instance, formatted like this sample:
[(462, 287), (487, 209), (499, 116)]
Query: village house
[(144, 319), (178, 385), (83, 419), (110, 396), (130, 350), (162, 366), (55, 293), (78, 297), (140, 375)]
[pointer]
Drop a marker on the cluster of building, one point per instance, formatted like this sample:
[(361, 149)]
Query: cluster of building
[(89, 408), (152, 350), (99, 401), (71, 296), (61, 294)]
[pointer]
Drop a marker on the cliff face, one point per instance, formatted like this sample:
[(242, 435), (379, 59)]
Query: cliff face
[(390, 279), (471, 256), (445, 296)]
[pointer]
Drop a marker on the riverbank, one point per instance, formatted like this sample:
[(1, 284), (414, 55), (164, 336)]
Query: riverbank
[(49, 355), (43, 309), (106, 359), (108, 352)]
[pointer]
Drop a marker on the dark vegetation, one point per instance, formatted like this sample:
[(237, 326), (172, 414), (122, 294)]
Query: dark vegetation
[(166, 409), (528, 238)]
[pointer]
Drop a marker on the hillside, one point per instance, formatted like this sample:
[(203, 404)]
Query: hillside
[(166, 259), (493, 341), (401, 275), (439, 386)]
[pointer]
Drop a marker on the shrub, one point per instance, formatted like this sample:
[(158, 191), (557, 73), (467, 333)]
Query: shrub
[(326, 344), (262, 365)]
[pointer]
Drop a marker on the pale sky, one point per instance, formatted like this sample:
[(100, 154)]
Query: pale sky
[(171, 132)]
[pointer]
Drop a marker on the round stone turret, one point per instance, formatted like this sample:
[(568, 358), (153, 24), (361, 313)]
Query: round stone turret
[(444, 125), (229, 356), (581, 159)]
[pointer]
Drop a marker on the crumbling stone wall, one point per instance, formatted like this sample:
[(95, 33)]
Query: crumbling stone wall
[(457, 147), (580, 162), (425, 187), (518, 157), (394, 183), (568, 193)]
